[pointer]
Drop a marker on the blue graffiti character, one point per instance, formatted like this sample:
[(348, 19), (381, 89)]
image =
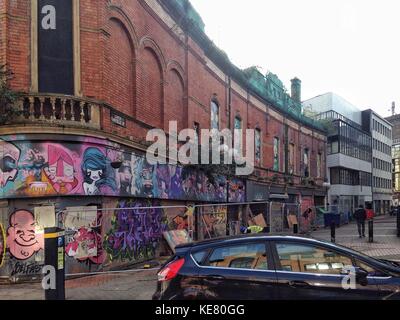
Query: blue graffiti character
[(95, 169)]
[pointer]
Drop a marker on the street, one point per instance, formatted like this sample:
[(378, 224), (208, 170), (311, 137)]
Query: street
[(140, 285)]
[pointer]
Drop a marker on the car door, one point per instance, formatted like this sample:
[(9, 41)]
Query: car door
[(388, 282), (308, 271), (240, 271)]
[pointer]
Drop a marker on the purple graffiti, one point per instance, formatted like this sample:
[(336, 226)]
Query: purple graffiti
[(136, 231)]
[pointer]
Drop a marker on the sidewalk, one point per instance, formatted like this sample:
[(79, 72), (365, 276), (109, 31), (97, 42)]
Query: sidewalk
[(139, 285), (386, 243)]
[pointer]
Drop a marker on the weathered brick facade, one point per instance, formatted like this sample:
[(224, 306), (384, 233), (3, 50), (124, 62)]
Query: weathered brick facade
[(136, 61)]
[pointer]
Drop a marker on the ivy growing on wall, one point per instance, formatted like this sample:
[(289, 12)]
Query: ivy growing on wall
[(8, 98)]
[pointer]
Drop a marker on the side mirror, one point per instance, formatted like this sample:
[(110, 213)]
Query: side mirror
[(361, 276)]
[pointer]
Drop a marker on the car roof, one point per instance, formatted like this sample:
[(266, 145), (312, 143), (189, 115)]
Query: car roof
[(241, 238)]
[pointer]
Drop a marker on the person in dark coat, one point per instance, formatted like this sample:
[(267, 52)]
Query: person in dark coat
[(361, 216)]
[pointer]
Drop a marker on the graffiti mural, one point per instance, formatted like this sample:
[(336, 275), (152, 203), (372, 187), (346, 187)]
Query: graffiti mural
[(97, 172), (96, 167), (9, 157), (22, 240), (86, 243), (135, 233), (214, 222), (237, 191), (3, 245), (86, 246)]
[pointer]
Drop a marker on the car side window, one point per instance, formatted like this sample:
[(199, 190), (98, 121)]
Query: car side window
[(244, 256), (372, 272), (310, 259), (199, 256)]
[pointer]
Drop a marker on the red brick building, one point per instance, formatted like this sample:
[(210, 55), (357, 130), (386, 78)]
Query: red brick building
[(96, 77)]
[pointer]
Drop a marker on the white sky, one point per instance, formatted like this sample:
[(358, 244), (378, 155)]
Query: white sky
[(350, 47)]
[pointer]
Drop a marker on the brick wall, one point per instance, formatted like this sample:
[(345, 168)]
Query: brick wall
[(134, 60), (15, 18)]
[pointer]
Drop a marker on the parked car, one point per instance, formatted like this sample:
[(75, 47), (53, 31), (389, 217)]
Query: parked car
[(262, 267)]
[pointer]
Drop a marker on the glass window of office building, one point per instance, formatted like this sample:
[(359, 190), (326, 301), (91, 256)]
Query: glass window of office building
[(349, 140)]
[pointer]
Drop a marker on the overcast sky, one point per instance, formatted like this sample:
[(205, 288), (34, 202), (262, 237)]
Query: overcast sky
[(350, 47)]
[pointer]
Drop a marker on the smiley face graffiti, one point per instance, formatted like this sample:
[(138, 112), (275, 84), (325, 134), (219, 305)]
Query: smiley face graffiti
[(22, 240)]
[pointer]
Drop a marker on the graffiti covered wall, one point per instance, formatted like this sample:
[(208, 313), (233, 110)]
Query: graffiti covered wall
[(2, 245), (87, 166), (214, 222), (135, 233), (110, 188), (101, 234)]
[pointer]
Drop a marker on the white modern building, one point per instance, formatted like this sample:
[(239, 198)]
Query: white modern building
[(382, 141), (349, 151)]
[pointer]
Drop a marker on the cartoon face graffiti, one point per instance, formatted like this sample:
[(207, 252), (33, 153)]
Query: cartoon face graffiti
[(61, 171), (9, 157), (22, 240), (125, 178), (95, 170)]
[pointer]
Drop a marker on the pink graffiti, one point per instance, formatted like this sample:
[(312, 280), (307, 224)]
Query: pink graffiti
[(22, 240), (88, 242), (61, 172)]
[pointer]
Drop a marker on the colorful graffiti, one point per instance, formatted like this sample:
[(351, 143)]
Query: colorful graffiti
[(3, 245), (9, 157), (135, 233), (214, 222), (85, 245), (96, 170), (37, 169), (237, 191), (22, 239)]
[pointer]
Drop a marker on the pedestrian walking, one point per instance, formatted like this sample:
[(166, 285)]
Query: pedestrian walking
[(361, 216)]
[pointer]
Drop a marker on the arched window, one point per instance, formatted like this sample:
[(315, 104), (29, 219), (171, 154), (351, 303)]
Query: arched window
[(238, 134), (276, 154), (214, 115), (257, 146)]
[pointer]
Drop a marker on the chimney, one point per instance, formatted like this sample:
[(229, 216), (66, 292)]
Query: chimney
[(296, 89), (393, 108)]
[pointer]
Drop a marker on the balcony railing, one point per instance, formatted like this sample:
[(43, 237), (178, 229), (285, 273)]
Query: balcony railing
[(59, 110)]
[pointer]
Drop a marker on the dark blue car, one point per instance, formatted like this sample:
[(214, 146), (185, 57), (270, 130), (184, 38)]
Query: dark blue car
[(261, 267)]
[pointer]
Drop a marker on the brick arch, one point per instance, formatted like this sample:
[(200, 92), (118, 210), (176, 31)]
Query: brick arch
[(175, 66), (150, 44), (118, 13), (119, 74), (175, 98), (150, 79)]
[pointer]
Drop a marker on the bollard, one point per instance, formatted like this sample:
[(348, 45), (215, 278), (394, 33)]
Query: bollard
[(398, 223), (371, 230), (54, 246), (333, 232), (296, 229)]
